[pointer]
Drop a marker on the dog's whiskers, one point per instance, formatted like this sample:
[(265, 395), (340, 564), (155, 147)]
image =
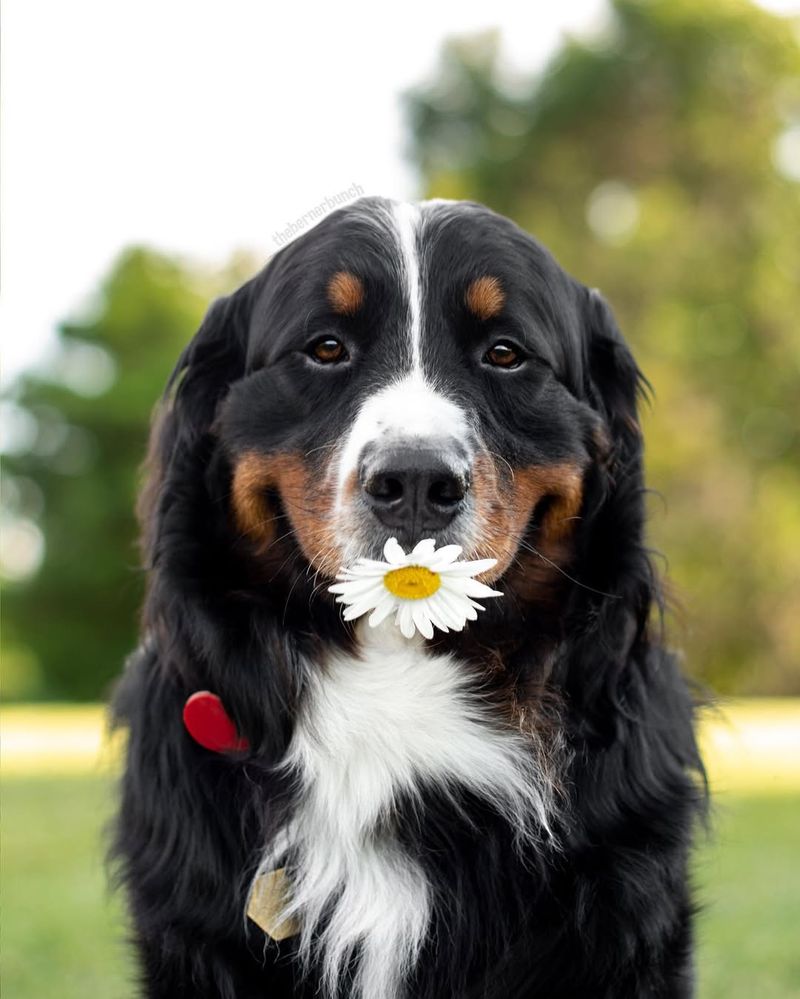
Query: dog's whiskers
[(505, 462), (534, 551)]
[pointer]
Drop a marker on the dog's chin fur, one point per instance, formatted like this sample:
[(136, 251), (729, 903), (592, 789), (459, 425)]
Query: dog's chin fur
[(495, 814)]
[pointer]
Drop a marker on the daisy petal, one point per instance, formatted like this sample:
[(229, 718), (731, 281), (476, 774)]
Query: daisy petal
[(455, 622), (373, 569), (423, 551), (475, 589), (467, 587), (456, 606), (405, 619), (454, 584), (445, 557), (470, 568), (437, 615), (355, 610), (421, 618), (355, 587), (366, 601), (456, 618), (393, 553), (372, 577), (449, 614), (382, 611)]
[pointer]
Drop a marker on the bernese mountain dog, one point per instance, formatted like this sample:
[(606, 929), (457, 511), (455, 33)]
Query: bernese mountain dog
[(505, 811)]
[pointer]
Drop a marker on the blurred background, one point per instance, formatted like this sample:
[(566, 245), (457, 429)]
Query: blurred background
[(154, 156)]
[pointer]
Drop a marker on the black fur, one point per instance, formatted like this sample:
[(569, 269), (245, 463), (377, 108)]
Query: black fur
[(607, 915)]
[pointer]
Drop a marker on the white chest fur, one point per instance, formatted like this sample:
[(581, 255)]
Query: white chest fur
[(389, 722)]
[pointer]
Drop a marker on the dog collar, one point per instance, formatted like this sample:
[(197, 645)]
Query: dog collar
[(210, 725)]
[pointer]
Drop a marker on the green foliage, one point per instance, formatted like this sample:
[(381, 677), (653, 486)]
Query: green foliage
[(75, 620), (645, 158)]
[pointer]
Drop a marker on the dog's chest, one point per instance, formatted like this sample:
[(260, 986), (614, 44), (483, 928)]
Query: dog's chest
[(374, 728), (384, 722)]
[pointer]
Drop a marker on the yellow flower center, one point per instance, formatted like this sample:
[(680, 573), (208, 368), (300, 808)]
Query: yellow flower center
[(412, 582)]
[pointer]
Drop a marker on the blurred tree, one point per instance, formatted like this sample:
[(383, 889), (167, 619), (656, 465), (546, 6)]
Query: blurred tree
[(660, 161), (78, 438)]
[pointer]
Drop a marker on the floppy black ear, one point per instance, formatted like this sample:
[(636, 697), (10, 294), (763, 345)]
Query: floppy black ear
[(180, 439), (615, 386), (615, 561), (200, 636)]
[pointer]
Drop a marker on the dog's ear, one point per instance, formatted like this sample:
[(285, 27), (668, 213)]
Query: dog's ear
[(180, 437), (615, 560), (615, 386), (196, 632)]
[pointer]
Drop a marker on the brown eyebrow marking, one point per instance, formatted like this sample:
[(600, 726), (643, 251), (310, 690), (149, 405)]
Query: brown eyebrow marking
[(485, 297), (345, 293)]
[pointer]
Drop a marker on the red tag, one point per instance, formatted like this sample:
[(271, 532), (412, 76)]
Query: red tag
[(209, 724)]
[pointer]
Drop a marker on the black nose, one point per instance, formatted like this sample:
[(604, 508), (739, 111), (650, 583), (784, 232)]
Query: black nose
[(413, 490)]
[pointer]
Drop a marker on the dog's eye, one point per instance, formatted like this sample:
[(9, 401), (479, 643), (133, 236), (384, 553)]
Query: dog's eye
[(504, 355), (328, 350)]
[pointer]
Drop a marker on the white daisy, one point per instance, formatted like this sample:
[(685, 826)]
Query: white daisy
[(424, 588)]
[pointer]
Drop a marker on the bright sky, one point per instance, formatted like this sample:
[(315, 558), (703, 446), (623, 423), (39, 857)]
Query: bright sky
[(200, 127)]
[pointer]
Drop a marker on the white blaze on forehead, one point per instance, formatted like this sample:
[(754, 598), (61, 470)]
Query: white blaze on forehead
[(408, 409), (406, 217)]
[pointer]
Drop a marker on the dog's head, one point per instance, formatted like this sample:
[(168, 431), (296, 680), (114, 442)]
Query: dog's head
[(408, 371)]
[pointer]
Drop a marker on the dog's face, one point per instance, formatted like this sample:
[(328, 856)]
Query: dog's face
[(412, 371)]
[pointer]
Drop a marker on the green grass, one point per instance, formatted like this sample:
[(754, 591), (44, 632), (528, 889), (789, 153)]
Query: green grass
[(749, 884), (62, 936)]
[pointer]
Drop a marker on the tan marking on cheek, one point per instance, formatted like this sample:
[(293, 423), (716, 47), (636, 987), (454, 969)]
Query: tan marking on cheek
[(253, 477), (504, 512), (563, 484), (345, 293), (306, 499), (485, 297)]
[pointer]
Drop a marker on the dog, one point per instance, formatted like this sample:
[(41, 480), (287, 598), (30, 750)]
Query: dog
[(502, 811)]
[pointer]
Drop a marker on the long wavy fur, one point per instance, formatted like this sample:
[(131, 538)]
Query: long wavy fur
[(611, 905)]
